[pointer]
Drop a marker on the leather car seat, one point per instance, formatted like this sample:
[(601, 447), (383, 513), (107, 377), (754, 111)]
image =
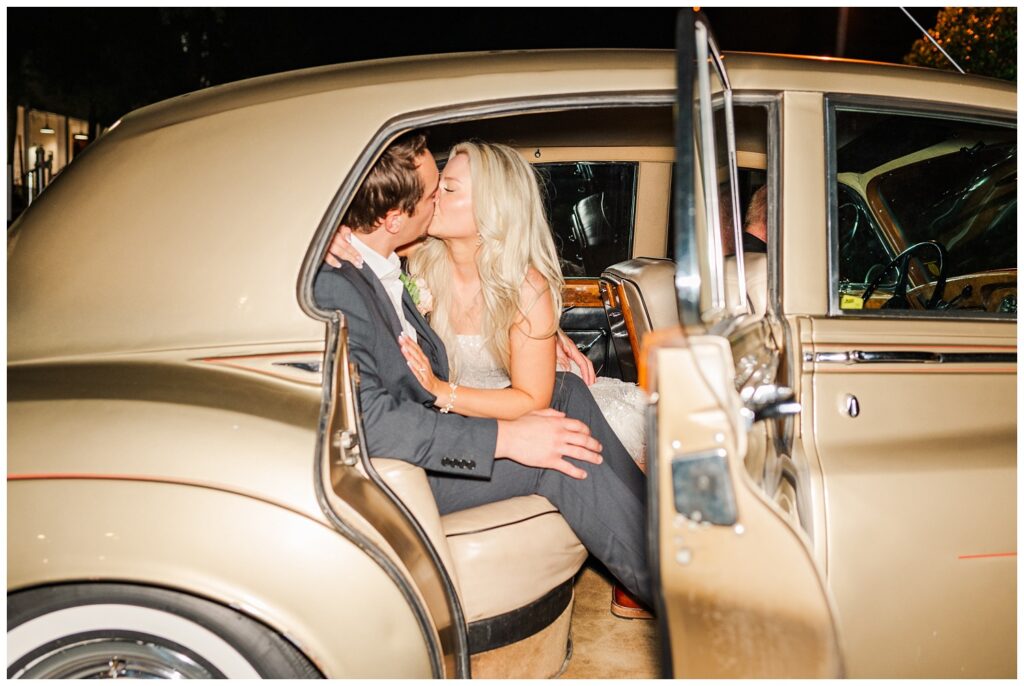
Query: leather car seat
[(512, 563), (644, 291), (592, 230), (647, 287), (755, 271)]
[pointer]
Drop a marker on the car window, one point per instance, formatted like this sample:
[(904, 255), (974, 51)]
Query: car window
[(591, 207), (903, 180), (861, 251)]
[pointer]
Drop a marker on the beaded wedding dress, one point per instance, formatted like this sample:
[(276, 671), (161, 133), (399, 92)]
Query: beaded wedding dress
[(621, 403)]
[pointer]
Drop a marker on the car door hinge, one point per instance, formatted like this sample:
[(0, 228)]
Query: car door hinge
[(347, 444)]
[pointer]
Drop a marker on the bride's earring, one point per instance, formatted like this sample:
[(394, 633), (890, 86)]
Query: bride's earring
[(479, 238)]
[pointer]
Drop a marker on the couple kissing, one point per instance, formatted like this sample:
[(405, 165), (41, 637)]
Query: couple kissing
[(476, 397)]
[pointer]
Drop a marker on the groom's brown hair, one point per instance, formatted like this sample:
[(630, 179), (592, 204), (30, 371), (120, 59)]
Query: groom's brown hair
[(391, 184)]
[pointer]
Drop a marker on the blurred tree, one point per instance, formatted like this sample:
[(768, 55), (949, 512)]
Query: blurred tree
[(982, 40)]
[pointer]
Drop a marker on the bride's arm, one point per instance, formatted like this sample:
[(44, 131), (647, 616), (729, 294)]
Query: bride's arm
[(531, 365)]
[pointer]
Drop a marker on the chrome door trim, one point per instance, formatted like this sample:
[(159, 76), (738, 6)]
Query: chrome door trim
[(717, 307), (907, 356)]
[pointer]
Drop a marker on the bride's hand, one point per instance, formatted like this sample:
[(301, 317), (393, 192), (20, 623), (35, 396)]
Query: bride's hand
[(341, 248), (420, 366), (566, 352)]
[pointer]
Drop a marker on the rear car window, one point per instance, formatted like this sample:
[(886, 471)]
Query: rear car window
[(591, 207)]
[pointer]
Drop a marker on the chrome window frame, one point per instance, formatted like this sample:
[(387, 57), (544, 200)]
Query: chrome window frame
[(772, 102), (903, 106)]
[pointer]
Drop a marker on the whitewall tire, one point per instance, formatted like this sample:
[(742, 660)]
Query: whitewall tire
[(126, 631)]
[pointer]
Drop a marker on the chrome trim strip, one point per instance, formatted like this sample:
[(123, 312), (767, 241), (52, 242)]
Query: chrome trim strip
[(688, 274), (886, 105), (908, 356), (717, 305)]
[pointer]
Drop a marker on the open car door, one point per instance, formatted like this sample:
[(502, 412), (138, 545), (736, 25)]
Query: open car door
[(738, 591)]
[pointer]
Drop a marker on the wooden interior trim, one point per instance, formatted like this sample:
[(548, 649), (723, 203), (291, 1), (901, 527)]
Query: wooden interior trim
[(581, 293), (627, 315)]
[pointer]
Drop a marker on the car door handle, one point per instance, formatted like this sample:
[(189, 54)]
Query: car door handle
[(768, 401), (585, 346)]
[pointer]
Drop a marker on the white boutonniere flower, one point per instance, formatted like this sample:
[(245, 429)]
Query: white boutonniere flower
[(420, 294)]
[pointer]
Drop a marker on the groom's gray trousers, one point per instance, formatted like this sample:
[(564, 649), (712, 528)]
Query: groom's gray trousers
[(606, 510)]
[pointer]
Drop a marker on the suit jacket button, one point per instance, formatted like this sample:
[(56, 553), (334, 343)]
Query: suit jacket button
[(446, 462)]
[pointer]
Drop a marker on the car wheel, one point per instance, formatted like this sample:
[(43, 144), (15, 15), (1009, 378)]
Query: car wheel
[(125, 631)]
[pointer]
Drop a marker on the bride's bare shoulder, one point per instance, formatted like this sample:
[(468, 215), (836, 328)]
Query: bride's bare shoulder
[(534, 282), (535, 291)]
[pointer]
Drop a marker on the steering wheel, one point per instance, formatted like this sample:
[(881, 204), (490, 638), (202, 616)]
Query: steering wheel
[(899, 301)]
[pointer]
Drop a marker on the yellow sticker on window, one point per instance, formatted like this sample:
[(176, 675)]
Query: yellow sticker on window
[(851, 302)]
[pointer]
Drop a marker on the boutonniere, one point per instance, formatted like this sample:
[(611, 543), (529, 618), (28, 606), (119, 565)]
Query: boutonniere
[(420, 294)]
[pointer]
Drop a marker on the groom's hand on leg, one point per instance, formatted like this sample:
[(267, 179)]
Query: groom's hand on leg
[(544, 439)]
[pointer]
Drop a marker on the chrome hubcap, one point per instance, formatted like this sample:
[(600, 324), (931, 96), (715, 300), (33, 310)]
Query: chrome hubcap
[(114, 658)]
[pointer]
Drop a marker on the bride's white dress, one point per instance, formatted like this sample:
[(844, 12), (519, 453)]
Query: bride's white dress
[(621, 403)]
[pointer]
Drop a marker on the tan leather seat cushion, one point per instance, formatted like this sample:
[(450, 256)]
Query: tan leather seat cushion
[(755, 271), (510, 553), (651, 289)]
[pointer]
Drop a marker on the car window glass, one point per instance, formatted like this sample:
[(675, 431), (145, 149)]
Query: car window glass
[(948, 187), (591, 207), (861, 252)]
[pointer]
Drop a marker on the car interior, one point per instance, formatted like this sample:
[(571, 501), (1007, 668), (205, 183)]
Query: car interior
[(927, 213), (534, 604)]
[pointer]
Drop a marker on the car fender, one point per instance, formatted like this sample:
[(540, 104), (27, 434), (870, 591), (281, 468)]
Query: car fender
[(276, 564)]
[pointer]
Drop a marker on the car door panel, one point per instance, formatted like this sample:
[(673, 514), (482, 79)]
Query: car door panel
[(927, 466), (743, 598)]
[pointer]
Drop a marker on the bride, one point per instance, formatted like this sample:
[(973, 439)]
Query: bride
[(491, 269)]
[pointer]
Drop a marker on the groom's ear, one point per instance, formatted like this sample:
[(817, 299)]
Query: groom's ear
[(393, 221)]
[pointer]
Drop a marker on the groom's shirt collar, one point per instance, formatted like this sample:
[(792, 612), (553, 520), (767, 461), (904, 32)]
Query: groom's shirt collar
[(388, 270), (384, 267)]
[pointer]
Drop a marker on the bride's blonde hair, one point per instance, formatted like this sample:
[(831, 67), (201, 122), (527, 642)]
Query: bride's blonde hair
[(514, 236)]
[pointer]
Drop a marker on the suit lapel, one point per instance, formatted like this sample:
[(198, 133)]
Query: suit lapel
[(381, 301), (429, 341)]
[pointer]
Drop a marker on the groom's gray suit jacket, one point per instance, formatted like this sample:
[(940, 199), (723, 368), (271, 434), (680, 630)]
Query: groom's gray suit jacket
[(399, 415)]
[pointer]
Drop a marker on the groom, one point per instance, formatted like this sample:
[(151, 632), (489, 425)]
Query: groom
[(472, 461)]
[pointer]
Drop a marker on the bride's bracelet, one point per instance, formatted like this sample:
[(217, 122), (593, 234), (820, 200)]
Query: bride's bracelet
[(451, 398)]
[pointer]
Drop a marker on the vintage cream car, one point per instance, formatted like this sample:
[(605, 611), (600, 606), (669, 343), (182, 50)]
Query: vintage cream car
[(832, 482)]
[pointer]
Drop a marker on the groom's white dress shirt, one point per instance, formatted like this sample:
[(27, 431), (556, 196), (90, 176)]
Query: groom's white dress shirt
[(388, 270)]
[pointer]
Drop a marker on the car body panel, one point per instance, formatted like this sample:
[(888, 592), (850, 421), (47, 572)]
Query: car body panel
[(161, 534), (929, 467), (220, 427)]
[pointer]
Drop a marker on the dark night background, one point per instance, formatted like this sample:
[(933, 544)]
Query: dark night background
[(99, 63)]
